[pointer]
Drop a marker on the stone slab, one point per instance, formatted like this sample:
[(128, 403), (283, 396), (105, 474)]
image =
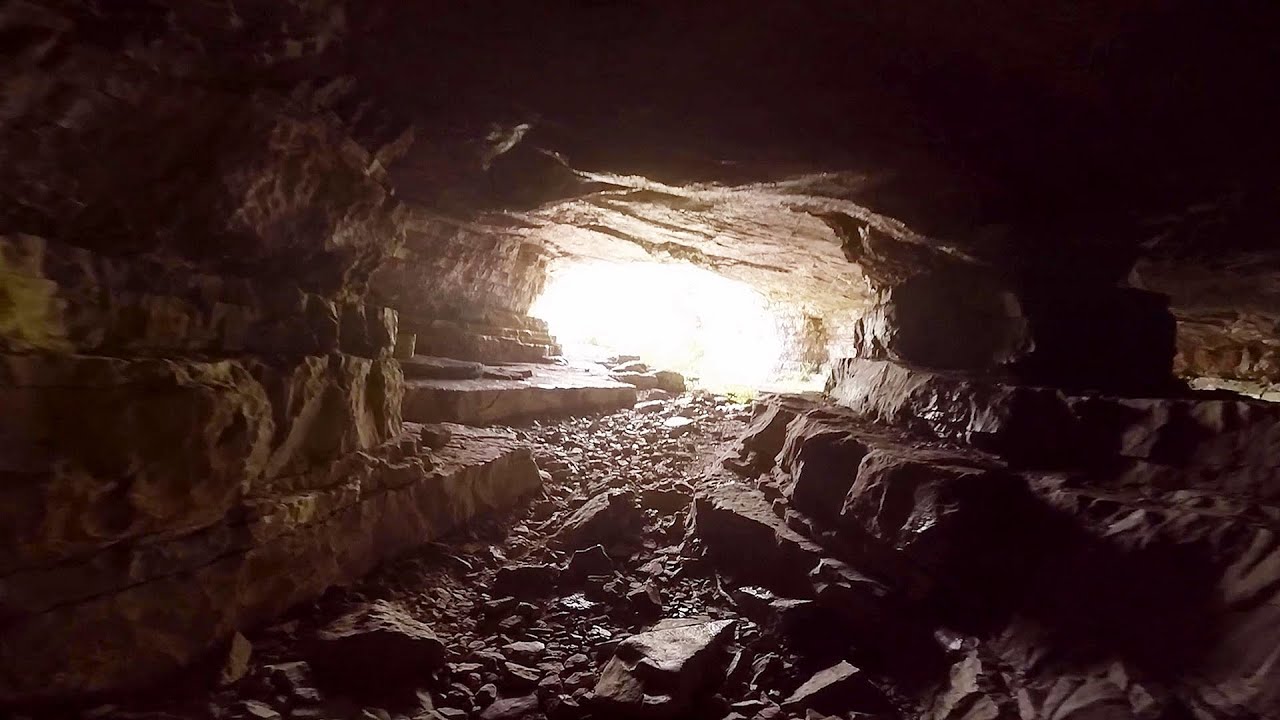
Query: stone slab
[(1045, 427), (549, 390)]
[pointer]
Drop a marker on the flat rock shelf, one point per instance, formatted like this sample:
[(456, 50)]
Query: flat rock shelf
[(549, 390)]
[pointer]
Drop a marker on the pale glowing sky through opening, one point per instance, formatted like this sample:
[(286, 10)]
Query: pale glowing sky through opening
[(674, 316)]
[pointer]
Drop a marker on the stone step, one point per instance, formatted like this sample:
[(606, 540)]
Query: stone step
[(549, 390), (132, 613)]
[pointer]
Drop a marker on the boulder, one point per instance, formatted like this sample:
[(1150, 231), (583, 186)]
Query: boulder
[(760, 443), (374, 648), (591, 561), (435, 435), (511, 708), (838, 689), (525, 581), (660, 673), (239, 650), (405, 346), (1061, 334), (670, 380), (823, 467), (741, 533), (603, 520)]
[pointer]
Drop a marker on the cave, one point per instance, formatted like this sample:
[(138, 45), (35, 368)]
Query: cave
[(597, 359)]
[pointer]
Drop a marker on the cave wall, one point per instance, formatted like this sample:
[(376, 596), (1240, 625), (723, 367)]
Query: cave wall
[(463, 290), (193, 383)]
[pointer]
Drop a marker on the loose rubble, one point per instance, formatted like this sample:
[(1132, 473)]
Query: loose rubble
[(789, 561)]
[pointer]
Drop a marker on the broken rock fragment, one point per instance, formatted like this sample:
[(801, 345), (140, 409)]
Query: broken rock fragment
[(591, 561), (662, 672), (602, 520), (435, 436), (525, 581), (511, 708), (838, 689), (376, 647), (237, 663)]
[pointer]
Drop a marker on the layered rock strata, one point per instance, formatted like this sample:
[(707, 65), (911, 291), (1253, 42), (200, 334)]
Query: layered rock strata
[(201, 418), (464, 291), (128, 613), (549, 390), (1081, 591)]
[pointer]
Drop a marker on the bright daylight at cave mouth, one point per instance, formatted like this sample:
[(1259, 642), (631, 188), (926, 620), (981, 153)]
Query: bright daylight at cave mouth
[(721, 334)]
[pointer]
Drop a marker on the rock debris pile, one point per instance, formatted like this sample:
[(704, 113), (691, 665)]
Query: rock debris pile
[(592, 600)]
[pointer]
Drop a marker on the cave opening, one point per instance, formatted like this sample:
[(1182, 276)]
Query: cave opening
[(720, 333)]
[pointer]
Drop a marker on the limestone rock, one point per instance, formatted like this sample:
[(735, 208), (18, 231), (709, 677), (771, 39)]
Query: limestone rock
[(660, 673), (237, 663), (604, 519), (1044, 427), (439, 368), (151, 608), (378, 646), (740, 530), (836, 690), (156, 425), (823, 467), (511, 708), (1116, 339), (435, 436), (671, 381), (406, 345), (551, 390), (971, 531), (525, 581), (763, 440), (949, 320)]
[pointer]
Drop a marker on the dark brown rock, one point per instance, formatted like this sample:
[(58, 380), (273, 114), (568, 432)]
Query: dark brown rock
[(591, 561), (836, 690), (526, 581), (604, 519), (435, 436), (367, 505), (376, 647), (1065, 335), (660, 673), (741, 532), (511, 708), (551, 391), (823, 465), (764, 437)]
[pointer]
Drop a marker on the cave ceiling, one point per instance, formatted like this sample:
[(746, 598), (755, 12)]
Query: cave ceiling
[(1069, 136)]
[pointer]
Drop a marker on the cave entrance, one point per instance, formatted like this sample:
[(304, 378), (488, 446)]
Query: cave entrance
[(721, 333)]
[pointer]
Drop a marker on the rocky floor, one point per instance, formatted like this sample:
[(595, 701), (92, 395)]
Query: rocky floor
[(693, 557), (521, 615)]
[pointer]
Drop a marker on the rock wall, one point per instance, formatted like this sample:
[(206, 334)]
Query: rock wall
[(977, 587), (463, 291), (195, 392)]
